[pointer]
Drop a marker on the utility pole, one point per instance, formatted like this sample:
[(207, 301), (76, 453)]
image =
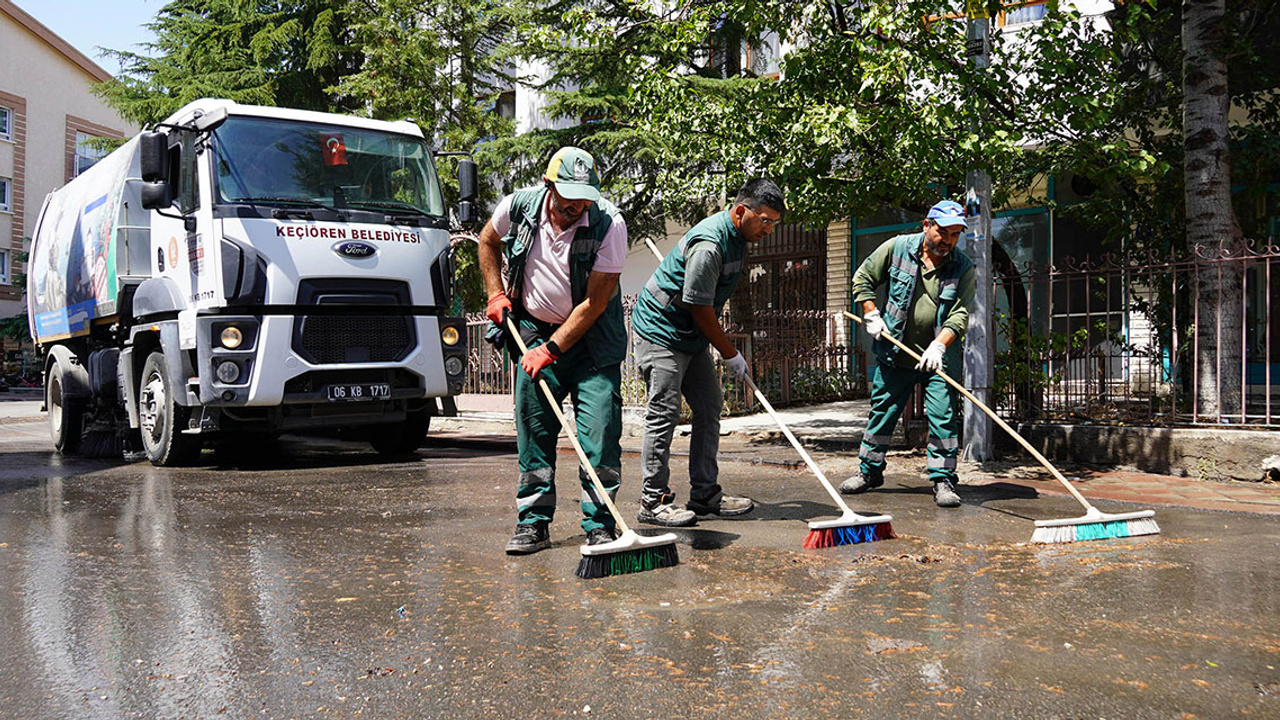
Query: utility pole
[(979, 344)]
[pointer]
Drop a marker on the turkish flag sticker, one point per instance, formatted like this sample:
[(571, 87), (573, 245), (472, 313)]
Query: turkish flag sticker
[(335, 150)]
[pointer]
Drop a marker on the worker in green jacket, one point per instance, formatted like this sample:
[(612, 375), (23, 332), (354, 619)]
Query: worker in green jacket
[(564, 247), (928, 288), (676, 322)]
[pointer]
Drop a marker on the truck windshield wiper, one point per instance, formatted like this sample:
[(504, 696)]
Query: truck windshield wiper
[(300, 205), (397, 212), (404, 208)]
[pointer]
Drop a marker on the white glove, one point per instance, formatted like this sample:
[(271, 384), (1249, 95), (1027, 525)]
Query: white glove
[(872, 323), (931, 360), (737, 365)]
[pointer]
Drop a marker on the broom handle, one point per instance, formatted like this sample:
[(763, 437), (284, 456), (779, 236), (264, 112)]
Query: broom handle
[(990, 413), (572, 434), (799, 448), (785, 430)]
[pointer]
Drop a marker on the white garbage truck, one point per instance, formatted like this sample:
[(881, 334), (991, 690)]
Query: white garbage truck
[(247, 271)]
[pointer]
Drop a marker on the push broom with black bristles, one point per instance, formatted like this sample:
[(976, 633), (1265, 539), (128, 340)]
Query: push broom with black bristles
[(848, 529), (631, 552), (1094, 524)]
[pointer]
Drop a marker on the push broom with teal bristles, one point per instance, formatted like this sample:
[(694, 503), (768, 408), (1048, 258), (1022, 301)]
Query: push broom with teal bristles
[(1094, 524), (631, 552)]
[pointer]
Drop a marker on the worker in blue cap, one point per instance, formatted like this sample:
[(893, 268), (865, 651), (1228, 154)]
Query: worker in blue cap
[(928, 285)]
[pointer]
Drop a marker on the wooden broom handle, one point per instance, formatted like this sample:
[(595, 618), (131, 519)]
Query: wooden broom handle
[(571, 433), (799, 448), (990, 413)]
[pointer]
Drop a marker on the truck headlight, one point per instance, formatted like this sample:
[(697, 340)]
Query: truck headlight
[(231, 337), (450, 336), (453, 365), (228, 372)]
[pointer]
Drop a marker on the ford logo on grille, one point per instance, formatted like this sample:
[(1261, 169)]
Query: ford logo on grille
[(355, 250)]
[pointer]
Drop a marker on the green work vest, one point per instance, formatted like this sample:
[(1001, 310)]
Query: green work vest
[(904, 272), (606, 339), (660, 315)]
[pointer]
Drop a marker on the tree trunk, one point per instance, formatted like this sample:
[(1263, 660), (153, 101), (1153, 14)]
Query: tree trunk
[(1212, 229)]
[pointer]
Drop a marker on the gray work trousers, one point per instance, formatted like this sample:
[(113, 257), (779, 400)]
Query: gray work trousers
[(668, 374)]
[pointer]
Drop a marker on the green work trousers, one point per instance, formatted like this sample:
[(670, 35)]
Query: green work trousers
[(597, 411), (891, 389)]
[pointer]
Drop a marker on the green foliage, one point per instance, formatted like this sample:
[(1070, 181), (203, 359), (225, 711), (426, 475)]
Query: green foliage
[(444, 64), (263, 52), (17, 327)]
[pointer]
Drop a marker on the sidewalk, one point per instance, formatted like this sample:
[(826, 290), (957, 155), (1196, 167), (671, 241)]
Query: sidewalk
[(831, 433)]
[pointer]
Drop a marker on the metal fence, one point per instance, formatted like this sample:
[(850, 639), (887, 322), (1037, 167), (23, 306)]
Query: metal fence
[(1145, 340), (794, 358)]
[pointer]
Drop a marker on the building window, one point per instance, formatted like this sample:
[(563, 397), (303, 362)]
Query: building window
[(6, 123), (6, 195), (1030, 12), (505, 105), (87, 152), (4, 267), (763, 56)]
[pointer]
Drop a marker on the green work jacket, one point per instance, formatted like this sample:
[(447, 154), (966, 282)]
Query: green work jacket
[(661, 316), (606, 340)]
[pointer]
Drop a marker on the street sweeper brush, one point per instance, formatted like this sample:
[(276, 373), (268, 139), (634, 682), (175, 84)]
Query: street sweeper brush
[(631, 552), (1094, 524)]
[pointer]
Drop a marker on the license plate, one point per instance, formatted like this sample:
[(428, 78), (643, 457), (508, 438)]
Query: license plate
[(359, 391)]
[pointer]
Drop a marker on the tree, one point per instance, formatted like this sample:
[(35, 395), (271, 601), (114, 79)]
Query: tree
[(1211, 223), (444, 64), (263, 52)]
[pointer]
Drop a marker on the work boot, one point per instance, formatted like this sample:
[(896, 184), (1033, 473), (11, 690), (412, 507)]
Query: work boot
[(529, 539), (601, 535), (944, 494), (722, 505), (858, 483), (663, 512)]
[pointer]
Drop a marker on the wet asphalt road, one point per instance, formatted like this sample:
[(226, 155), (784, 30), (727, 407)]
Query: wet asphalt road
[(317, 581)]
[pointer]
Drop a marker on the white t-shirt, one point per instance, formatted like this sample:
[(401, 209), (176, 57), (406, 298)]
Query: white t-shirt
[(547, 294)]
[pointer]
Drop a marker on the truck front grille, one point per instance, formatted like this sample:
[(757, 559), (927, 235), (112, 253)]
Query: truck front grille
[(330, 339), (343, 333)]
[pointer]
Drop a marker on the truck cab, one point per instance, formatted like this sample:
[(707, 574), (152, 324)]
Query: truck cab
[(264, 270)]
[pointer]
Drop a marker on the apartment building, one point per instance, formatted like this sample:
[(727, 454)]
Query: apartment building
[(48, 115)]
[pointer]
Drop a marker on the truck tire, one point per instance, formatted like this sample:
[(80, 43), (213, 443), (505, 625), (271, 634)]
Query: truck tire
[(401, 438), (66, 414), (162, 420)]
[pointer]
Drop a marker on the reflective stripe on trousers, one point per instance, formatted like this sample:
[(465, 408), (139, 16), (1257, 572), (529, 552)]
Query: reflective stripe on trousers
[(891, 390), (597, 411)]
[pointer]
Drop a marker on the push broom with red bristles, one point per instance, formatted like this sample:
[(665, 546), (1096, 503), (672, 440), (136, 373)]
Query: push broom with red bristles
[(848, 529), (631, 552), (1094, 524)]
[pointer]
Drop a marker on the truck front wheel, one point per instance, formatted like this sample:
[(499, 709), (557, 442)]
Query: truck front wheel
[(162, 419), (66, 414)]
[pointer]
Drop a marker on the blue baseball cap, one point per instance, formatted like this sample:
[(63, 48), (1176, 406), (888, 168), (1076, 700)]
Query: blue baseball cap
[(947, 213)]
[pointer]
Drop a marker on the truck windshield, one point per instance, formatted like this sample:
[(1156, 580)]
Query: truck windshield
[(285, 162)]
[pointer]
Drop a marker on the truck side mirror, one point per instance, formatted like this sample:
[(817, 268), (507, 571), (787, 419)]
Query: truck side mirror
[(154, 156), (466, 213), (156, 195), (466, 179)]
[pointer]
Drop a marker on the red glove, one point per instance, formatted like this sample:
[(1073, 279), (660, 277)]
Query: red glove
[(498, 308), (539, 357)]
